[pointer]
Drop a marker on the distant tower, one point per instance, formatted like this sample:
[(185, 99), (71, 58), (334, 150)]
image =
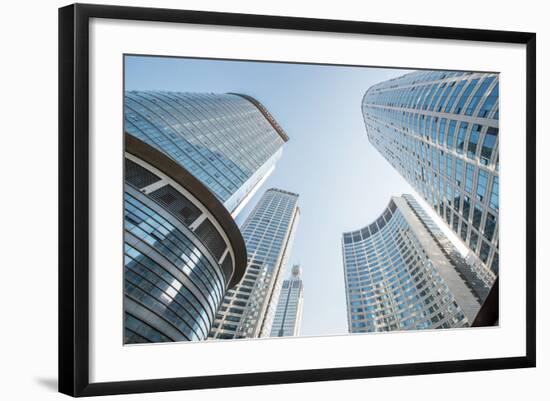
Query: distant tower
[(288, 315), (439, 130), (399, 276), (247, 310)]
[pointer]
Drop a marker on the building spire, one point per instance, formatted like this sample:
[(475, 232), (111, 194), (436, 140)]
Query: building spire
[(296, 271)]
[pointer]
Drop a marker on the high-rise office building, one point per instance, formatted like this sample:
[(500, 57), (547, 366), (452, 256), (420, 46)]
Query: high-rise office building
[(247, 311), (439, 130), (288, 315), (230, 142), (182, 249), (398, 275)]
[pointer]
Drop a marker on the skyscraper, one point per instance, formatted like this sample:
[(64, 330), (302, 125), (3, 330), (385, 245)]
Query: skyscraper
[(288, 315), (399, 277), (439, 130), (230, 142), (182, 249), (247, 311)]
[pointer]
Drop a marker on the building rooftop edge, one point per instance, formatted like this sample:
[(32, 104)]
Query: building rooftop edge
[(252, 100), (283, 191), (378, 216), (265, 113)]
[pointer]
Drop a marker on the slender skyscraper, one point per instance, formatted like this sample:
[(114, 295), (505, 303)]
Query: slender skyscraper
[(288, 315), (399, 277), (439, 130), (230, 142), (247, 311)]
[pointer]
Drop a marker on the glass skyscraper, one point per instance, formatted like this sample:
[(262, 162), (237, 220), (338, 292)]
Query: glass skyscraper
[(439, 130), (398, 275), (288, 315), (247, 311), (230, 142), (182, 249)]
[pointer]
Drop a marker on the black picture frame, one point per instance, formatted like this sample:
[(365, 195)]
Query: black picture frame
[(74, 198)]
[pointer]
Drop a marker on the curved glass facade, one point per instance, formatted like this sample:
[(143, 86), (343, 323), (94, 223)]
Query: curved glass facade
[(393, 277), (178, 261), (439, 129), (228, 141)]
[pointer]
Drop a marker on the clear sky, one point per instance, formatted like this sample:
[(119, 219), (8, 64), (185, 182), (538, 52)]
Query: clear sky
[(343, 182)]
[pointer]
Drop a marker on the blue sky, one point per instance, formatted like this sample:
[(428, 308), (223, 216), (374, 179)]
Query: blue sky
[(343, 182)]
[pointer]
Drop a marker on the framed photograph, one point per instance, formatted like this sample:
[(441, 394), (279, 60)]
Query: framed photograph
[(250, 199)]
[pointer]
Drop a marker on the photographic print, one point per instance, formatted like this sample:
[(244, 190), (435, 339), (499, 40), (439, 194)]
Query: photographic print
[(272, 199), (303, 197)]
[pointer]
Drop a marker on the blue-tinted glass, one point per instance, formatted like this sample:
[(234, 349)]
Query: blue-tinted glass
[(478, 95), (489, 102), (465, 95), (481, 185), (494, 194), (488, 144), (474, 139), (461, 137)]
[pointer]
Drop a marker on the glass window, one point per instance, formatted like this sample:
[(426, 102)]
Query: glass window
[(478, 213), (457, 200), (445, 96), (434, 129), (488, 145), (478, 95), (490, 223), (464, 231), (465, 95), (455, 221), (450, 134), (469, 177), (426, 131), (489, 102), (474, 139), (455, 93), (481, 185), (461, 137), (473, 241), (494, 194), (442, 126), (466, 208), (484, 251), (458, 172)]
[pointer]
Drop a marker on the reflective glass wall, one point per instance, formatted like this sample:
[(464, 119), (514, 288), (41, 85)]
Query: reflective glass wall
[(439, 129)]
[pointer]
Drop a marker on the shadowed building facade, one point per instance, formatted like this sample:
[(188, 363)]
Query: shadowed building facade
[(247, 311), (288, 316), (182, 250), (398, 276), (229, 142), (439, 130)]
